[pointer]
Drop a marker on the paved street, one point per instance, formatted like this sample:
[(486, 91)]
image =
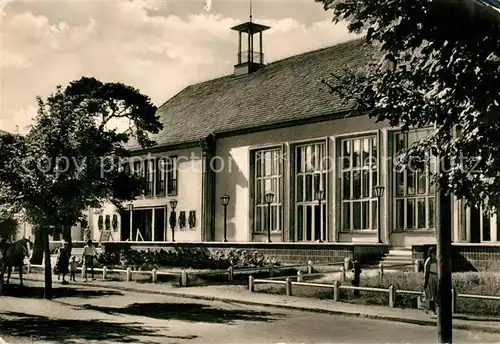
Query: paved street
[(90, 315)]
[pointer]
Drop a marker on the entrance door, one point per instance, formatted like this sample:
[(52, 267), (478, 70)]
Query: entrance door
[(125, 226), (142, 222), (160, 224)]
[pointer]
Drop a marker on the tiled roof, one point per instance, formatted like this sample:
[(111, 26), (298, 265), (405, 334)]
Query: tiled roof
[(282, 91)]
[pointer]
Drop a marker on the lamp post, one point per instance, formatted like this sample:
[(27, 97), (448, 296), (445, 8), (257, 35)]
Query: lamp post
[(319, 195), (269, 198), (173, 205), (225, 201), (379, 192)]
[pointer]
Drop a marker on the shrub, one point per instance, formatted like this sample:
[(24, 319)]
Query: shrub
[(195, 258)]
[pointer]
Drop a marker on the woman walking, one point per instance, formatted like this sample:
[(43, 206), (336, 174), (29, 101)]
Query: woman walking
[(63, 262), (431, 281)]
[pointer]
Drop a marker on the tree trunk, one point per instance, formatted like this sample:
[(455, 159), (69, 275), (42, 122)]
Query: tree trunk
[(66, 234), (37, 255), (48, 266), (443, 233)]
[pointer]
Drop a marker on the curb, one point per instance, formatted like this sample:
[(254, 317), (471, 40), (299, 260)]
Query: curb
[(466, 327)]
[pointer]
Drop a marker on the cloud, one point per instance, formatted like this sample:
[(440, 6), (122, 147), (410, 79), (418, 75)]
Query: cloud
[(9, 59), (140, 43)]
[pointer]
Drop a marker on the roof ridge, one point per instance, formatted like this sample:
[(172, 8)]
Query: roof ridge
[(284, 91), (283, 60)]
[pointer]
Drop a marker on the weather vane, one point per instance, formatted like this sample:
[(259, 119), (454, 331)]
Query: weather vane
[(250, 10)]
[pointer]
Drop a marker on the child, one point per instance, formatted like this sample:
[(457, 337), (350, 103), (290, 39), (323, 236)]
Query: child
[(72, 268)]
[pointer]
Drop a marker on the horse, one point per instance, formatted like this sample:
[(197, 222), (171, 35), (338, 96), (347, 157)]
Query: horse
[(13, 254)]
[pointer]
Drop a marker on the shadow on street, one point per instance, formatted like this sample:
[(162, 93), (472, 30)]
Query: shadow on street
[(31, 292), (74, 331), (186, 312)]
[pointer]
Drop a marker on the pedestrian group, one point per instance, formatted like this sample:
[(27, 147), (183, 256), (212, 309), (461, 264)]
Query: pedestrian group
[(69, 265)]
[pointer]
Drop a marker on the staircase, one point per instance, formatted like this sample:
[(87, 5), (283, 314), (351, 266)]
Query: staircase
[(398, 258)]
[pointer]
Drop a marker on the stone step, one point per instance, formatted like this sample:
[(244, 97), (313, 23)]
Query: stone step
[(400, 253), (389, 257), (396, 262)]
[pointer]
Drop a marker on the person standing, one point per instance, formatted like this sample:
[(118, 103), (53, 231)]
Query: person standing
[(63, 262), (72, 269), (89, 252), (431, 281)]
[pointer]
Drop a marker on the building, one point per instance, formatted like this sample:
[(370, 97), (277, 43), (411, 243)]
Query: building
[(277, 128)]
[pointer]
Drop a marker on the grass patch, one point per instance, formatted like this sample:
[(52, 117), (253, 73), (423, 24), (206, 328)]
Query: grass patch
[(477, 283)]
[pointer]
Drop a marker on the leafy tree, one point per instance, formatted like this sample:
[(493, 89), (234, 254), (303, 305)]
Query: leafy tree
[(70, 160), (9, 225), (438, 65)]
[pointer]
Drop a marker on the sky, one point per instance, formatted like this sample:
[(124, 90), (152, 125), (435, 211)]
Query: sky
[(159, 47)]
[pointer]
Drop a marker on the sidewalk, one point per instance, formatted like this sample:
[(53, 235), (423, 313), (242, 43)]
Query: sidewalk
[(239, 294)]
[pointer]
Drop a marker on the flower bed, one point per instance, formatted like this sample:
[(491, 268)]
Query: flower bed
[(186, 258), (477, 283)]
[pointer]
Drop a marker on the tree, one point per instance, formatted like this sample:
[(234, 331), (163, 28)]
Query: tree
[(439, 64), (9, 225), (71, 158)]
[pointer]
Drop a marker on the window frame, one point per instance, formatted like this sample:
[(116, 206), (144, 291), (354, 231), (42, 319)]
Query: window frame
[(279, 197), (427, 196), (172, 172), (374, 177), (161, 185), (149, 177), (324, 172)]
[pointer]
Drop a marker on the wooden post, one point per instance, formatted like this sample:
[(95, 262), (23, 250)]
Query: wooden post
[(454, 301), (347, 263), (392, 296), (288, 287), (310, 267), (184, 278), (381, 271), (230, 274), (343, 275), (271, 271), (336, 290), (104, 272), (129, 274), (443, 248), (154, 275), (250, 284)]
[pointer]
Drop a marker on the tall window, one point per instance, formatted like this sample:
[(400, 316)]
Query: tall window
[(160, 177), (171, 176), (268, 178), (138, 170), (413, 192), (150, 177), (310, 176), (359, 176)]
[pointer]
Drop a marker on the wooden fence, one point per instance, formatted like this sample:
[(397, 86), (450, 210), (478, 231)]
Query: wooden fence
[(336, 286), (183, 275)]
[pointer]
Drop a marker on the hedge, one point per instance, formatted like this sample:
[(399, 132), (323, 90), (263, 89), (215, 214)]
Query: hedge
[(193, 257)]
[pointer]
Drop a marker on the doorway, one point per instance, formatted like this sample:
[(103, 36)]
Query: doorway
[(159, 224)]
